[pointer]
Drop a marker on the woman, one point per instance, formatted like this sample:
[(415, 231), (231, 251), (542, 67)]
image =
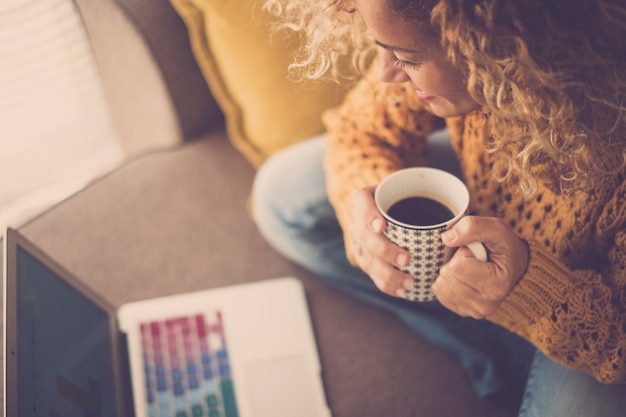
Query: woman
[(533, 95)]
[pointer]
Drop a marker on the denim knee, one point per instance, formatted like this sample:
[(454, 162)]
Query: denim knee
[(553, 390), (266, 195), (289, 199)]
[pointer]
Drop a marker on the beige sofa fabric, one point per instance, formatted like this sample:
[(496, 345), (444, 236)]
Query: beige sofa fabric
[(157, 95), (140, 106)]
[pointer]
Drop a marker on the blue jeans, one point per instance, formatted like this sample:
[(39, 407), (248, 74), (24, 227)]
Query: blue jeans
[(291, 209)]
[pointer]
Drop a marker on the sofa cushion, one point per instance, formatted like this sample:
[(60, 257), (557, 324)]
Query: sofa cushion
[(246, 69)]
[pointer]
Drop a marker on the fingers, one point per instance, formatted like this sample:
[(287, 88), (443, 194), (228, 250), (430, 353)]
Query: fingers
[(458, 293), (385, 276), (457, 298), (507, 252), (367, 230), (467, 230), (382, 261), (473, 288), (364, 210), (372, 251)]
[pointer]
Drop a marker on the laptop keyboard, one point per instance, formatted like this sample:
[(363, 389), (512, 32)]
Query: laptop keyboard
[(186, 367)]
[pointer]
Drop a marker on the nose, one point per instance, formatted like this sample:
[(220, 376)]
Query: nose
[(388, 72)]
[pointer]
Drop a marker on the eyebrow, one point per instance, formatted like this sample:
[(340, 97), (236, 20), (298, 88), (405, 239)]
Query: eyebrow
[(395, 48)]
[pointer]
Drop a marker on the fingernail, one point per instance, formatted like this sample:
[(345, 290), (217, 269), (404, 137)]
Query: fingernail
[(400, 292), (408, 284), (377, 224), (402, 260), (448, 235)]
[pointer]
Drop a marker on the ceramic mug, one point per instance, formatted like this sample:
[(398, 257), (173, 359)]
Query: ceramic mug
[(419, 204)]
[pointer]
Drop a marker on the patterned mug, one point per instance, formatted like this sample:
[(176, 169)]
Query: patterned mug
[(419, 204)]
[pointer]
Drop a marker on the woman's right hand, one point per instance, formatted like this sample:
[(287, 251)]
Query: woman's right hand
[(372, 251)]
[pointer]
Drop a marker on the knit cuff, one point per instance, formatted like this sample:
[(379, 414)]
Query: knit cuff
[(536, 295)]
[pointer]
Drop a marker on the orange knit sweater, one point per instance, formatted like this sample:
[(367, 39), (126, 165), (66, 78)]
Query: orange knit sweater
[(571, 302)]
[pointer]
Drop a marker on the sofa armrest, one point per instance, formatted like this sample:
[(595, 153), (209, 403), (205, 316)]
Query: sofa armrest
[(157, 95)]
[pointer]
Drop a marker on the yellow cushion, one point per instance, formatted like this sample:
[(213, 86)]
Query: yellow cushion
[(246, 71)]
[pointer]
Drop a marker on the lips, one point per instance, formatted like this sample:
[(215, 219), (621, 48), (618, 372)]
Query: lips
[(424, 96)]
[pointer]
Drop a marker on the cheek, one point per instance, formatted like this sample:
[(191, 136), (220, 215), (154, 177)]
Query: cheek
[(427, 79), (442, 80)]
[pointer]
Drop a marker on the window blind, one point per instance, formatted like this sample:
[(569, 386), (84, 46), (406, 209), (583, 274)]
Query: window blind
[(56, 133)]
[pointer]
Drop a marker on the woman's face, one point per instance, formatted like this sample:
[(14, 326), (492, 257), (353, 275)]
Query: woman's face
[(411, 54)]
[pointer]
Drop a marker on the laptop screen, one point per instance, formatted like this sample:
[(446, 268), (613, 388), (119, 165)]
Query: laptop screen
[(65, 363)]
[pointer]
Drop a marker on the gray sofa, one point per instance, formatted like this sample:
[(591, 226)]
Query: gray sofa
[(174, 218)]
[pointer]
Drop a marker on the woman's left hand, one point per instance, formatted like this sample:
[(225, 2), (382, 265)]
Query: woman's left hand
[(473, 288)]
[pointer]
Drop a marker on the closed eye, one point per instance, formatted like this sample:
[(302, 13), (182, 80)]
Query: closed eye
[(401, 63)]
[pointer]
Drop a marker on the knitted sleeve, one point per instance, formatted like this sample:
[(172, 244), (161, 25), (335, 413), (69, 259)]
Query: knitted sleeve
[(571, 302), (577, 316), (379, 129)]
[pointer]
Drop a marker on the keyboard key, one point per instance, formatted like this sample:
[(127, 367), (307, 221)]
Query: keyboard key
[(209, 387), (163, 398), (164, 411), (159, 371), (161, 384), (197, 411), (178, 389), (195, 397), (211, 401), (207, 374), (192, 369), (224, 369), (180, 404), (193, 382)]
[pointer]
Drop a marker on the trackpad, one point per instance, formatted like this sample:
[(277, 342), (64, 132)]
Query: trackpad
[(283, 387)]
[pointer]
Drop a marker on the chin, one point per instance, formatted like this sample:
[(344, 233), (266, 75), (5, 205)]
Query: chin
[(448, 109), (445, 112)]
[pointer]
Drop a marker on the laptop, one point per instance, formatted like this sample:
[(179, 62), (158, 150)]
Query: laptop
[(246, 350)]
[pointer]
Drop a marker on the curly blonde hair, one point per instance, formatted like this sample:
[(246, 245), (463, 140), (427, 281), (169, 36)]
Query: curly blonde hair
[(549, 74)]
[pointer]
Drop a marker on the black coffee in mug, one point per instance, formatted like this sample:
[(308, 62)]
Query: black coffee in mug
[(420, 211)]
